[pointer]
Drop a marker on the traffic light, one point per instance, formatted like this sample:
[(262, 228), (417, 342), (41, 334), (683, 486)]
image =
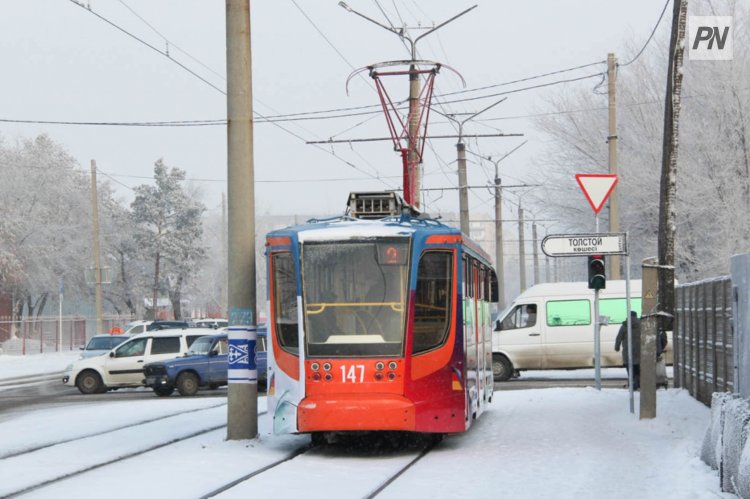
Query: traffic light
[(597, 278)]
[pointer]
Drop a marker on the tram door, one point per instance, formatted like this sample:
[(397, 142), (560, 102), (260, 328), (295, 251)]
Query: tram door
[(476, 283), (470, 336), (286, 386)]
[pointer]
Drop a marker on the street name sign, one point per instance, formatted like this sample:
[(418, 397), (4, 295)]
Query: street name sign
[(585, 244), (596, 187)]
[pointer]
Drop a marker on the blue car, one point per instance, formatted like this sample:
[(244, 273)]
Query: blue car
[(204, 365)]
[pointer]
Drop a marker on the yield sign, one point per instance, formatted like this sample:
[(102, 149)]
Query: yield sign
[(597, 187)]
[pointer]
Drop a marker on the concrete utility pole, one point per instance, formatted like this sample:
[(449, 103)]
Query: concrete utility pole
[(536, 253), (668, 187), (224, 271), (614, 198), (463, 183), (463, 188), (649, 318), (499, 263), (242, 397), (97, 251), (521, 249)]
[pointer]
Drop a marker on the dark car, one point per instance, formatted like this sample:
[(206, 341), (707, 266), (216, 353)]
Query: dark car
[(157, 325), (204, 365), (101, 344)]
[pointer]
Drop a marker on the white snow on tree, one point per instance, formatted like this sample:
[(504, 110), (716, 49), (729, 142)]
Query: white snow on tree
[(170, 231)]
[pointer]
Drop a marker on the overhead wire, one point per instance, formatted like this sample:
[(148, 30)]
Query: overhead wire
[(653, 31), (123, 30), (170, 43)]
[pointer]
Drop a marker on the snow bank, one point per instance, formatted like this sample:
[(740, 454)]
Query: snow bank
[(724, 442)]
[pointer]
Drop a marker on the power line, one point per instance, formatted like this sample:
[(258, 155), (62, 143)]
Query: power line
[(169, 42), (121, 123), (75, 2), (649, 37), (349, 163)]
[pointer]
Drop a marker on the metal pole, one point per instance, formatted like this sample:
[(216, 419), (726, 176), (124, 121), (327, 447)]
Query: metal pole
[(614, 198), (630, 335), (413, 156), (463, 189), (597, 333), (97, 254), (242, 396), (597, 343), (499, 261)]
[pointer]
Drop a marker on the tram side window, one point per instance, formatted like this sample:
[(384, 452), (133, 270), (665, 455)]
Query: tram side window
[(465, 272), (285, 301), (433, 300), (569, 313)]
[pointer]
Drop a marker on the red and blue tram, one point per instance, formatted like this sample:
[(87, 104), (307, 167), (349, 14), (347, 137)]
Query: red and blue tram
[(379, 321)]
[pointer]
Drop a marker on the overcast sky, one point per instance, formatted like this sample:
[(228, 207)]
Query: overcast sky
[(61, 62)]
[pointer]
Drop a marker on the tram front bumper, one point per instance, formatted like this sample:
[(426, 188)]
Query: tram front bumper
[(356, 412)]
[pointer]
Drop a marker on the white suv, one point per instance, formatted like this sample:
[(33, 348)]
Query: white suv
[(123, 366)]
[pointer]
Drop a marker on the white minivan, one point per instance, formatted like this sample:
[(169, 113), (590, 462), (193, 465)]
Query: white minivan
[(123, 366), (551, 326)]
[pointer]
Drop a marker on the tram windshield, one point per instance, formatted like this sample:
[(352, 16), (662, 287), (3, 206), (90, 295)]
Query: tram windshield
[(354, 297)]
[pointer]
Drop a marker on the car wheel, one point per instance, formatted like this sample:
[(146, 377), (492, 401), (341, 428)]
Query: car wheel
[(187, 384), (501, 368), (163, 391), (90, 382)]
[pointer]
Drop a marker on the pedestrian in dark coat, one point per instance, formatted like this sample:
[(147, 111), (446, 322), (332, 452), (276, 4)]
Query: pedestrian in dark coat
[(622, 341)]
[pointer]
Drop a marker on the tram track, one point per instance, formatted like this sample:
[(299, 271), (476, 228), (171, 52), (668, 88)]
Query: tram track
[(127, 447), (28, 450), (325, 458)]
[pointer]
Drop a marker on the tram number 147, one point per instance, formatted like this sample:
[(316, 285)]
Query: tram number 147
[(350, 374)]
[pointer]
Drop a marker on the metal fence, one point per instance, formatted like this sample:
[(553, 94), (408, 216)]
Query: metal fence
[(703, 336), (49, 334)]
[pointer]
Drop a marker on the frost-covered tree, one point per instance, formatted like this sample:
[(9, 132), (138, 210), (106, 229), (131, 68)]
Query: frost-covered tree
[(41, 242), (713, 173), (170, 232)]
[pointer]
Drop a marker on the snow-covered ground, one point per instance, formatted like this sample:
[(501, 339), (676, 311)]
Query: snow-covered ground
[(559, 442)]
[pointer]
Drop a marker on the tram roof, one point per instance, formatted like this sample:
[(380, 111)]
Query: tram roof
[(344, 228)]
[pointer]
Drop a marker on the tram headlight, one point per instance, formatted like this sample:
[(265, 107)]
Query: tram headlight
[(392, 365), (391, 376), (316, 376), (378, 376), (329, 376), (379, 366), (327, 366), (314, 366)]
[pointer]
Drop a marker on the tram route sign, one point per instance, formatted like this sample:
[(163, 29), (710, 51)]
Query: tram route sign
[(585, 244)]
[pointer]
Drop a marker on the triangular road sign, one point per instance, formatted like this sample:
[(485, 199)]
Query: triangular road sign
[(597, 187)]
